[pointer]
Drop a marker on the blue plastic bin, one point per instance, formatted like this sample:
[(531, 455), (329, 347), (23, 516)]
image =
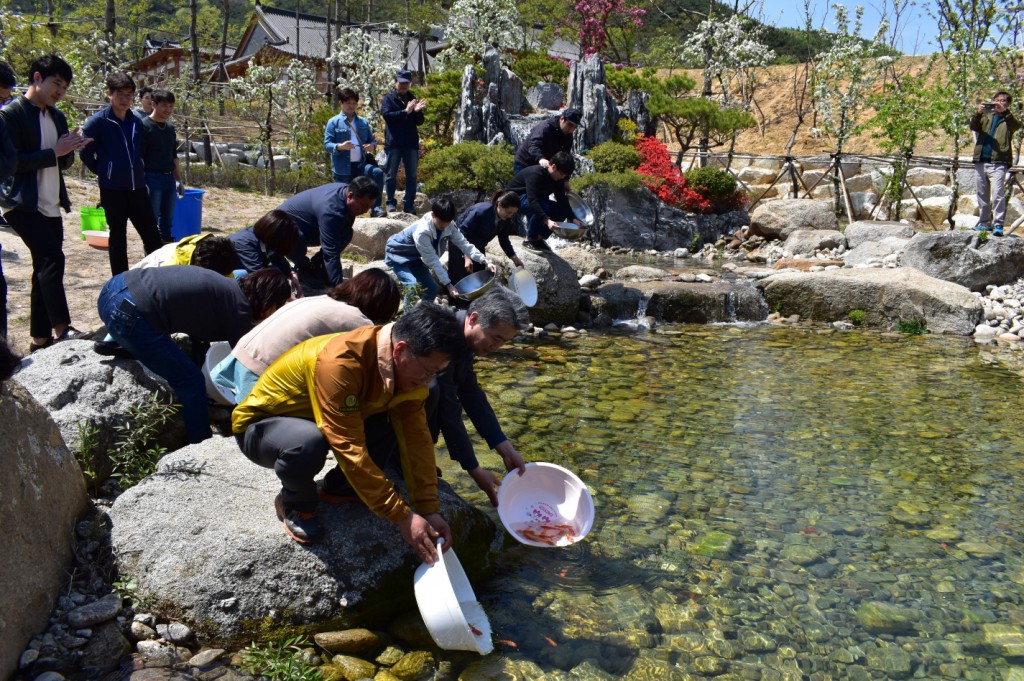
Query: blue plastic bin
[(188, 214)]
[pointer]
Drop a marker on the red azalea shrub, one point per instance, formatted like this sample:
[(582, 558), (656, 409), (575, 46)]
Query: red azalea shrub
[(662, 176)]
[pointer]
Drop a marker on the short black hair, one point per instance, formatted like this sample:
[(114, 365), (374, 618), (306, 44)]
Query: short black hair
[(120, 81), (346, 94), (7, 77), (564, 162), (443, 209), (373, 291), (1009, 97), (50, 65), (363, 187), (427, 328), (145, 90), (216, 253), (160, 95)]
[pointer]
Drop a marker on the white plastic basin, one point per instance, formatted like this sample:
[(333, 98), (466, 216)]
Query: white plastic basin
[(448, 606), (547, 506), (217, 352)]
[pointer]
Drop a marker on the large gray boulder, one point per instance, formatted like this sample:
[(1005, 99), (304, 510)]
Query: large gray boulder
[(587, 92), (41, 497), (779, 219), (584, 261), (202, 542), (636, 218), (810, 241), (679, 302), (79, 387), (962, 258), (558, 287), (863, 231), (370, 235), (546, 96), (887, 296), (870, 252)]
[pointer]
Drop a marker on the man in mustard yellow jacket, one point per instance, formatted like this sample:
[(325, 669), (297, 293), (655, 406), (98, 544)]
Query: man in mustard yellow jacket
[(315, 398)]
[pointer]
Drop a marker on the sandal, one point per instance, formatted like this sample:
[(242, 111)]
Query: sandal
[(32, 347)]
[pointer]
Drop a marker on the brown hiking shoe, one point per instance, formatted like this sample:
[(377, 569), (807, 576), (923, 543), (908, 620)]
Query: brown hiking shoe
[(302, 526)]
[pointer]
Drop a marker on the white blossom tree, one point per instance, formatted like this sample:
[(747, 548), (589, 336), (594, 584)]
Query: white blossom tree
[(366, 64), (476, 25), (733, 55), (268, 93), (845, 75)]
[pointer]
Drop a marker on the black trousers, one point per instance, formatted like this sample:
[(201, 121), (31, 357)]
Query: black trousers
[(120, 206), (44, 238)]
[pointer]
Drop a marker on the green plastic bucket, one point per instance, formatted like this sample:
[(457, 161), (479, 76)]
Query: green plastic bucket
[(93, 219)]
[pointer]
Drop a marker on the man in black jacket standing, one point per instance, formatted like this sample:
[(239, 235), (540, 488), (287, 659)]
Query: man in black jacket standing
[(403, 114), (546, 139), (34, 195)]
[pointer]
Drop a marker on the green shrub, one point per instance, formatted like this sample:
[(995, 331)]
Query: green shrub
[(615, 157), (717, 186), (625, 180), (856, 317), (467, 165), (281, 661), (914, 327)]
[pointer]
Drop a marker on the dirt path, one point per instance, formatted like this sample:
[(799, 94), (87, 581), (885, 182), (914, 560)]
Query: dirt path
[(87, 269)]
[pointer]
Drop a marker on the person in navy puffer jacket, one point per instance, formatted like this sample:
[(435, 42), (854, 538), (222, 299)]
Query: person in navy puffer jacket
[(115, 155)]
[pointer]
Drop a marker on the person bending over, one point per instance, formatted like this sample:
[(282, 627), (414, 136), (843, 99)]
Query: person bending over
[(480, 224), (370, 297), (316, 399), (143, 307), (414, 254)]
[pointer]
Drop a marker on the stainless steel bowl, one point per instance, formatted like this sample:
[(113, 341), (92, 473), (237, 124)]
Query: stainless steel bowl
[(581, 209), (475, 285), (568, 230)]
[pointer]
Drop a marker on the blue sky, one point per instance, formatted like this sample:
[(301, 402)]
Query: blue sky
[(917, 35)]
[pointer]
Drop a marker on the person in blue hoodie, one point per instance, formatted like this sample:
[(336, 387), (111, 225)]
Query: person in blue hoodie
[(115, 156), (403, 114), (351, 145)]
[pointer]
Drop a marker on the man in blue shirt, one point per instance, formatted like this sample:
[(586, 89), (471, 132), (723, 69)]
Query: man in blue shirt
[(115, 156), (403, 114), (350, 143)]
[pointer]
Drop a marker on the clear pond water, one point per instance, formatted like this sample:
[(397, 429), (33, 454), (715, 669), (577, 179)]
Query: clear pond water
[(773, 503)]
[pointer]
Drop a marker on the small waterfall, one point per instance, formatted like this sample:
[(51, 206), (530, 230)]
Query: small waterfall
[(730, 307), (640, 321)]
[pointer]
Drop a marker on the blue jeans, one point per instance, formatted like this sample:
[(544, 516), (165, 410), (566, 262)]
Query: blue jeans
[(370, 170), (158, 353), (162, 195), (537, 227), (410, 157), (412, 273)]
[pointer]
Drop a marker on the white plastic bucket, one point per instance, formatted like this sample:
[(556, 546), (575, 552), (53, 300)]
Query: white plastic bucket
[(218, 351), (448, 606), (547, 506)]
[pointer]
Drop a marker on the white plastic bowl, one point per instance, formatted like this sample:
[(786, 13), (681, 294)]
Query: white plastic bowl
[(546, 496), (217, 352), (97, 238), (448, 606), (524, 285)]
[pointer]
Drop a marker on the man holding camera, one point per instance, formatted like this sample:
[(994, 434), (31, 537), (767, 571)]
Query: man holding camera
[(994, 128)]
